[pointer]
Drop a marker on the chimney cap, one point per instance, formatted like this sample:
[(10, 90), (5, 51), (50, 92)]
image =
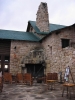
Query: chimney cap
[(44, 4)]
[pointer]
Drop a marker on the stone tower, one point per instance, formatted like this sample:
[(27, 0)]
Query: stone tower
[(42, 19)]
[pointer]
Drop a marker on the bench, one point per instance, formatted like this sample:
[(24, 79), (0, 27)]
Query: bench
[(1, 84), (28, 78)]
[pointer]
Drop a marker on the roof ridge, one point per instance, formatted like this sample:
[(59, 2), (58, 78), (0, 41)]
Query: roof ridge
[(49, 23), (57, 24)]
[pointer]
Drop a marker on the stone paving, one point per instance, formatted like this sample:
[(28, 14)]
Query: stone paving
[(37, 91)]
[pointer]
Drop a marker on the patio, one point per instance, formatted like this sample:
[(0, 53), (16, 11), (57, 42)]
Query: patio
[(37, 91)]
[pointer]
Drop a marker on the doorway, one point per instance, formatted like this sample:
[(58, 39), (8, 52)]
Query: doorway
[(37, 70), (4, 55)]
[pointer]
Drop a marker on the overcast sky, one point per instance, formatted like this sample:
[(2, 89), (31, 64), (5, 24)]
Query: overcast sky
[(15, 14)]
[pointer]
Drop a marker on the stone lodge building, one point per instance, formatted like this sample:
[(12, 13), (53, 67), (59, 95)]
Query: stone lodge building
[(43, 48)]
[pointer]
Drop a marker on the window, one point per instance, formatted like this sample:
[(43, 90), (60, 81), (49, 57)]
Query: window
[(65, 42), (6, 68), (6, 58)]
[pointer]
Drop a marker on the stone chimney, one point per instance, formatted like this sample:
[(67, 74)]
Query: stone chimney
[(42, 19)]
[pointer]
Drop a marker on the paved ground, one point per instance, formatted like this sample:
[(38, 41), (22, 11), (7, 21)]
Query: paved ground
[(36, 92)]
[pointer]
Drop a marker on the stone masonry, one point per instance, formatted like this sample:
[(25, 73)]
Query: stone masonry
[(42, 19), (16, 55), (58, 58)]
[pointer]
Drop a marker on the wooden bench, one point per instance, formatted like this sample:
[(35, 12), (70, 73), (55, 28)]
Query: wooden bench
[(19, 78), (28, 78), (7, 77), (51, 79), (51, 76), (1, 84)]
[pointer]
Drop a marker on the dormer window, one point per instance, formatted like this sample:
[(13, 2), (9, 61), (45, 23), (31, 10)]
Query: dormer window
[(65, 42)]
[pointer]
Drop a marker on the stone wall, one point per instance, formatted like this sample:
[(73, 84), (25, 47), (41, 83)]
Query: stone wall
[(17, 54), (56, 57), (42, 19)]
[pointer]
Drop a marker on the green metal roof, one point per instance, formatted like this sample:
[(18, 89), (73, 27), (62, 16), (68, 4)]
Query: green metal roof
[(52, 27), (18, 35), (27, 36), (33, 23)]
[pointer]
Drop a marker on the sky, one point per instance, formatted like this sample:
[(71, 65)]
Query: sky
[(15, 14)]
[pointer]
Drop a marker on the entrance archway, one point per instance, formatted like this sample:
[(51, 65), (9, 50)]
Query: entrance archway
[(37, 70)]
